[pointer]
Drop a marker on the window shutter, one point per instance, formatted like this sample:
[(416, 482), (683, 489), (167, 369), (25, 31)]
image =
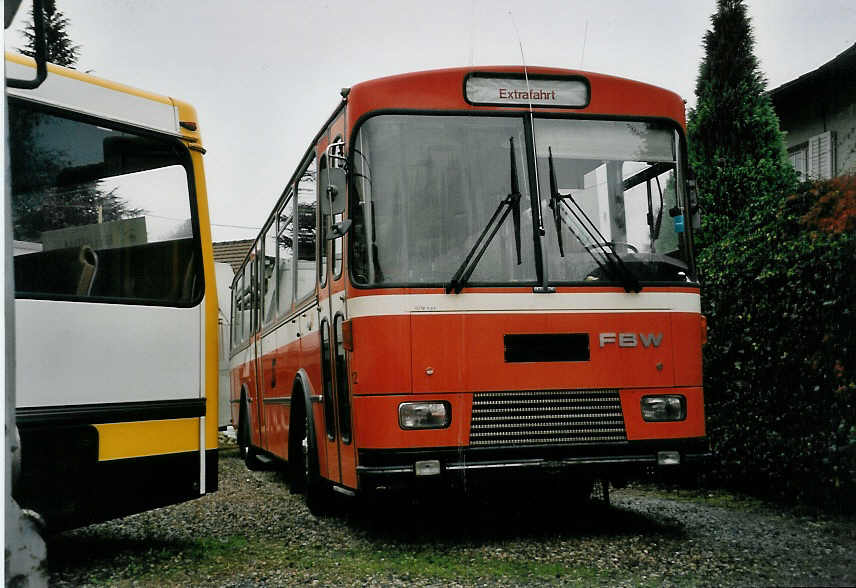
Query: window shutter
[(798, 161), (820, 156)]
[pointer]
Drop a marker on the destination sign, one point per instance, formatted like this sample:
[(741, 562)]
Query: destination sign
[(515, 91)]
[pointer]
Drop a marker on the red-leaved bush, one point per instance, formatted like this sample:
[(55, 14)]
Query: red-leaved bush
[(779, 292)]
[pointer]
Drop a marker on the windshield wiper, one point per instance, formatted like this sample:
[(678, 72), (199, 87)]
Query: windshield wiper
[(555, 199), (652, 172), (510, 203), (617, 269)]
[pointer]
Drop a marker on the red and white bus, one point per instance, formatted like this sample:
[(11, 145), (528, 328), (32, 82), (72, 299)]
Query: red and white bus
[(477, 274)]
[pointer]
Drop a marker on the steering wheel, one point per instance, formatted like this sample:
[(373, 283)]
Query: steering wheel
[(613, 244)]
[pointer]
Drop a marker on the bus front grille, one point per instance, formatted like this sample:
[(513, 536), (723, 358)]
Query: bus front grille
[(553, 417)]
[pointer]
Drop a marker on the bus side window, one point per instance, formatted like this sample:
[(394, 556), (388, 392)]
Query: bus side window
[(252, 293), (337, 243), (239, 308), (306, 230), (285, 255), (268, 271), (246, 305), (323, 245), (236, 311)]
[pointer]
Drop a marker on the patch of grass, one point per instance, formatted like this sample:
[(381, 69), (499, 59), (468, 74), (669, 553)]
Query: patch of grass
[(448, 567), (203, 550), (209, 560)]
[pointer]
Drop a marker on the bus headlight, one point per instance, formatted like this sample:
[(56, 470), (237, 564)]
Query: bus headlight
[(424, 415), (665, 407)]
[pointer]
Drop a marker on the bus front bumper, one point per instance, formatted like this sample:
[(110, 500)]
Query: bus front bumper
[(398, 469)]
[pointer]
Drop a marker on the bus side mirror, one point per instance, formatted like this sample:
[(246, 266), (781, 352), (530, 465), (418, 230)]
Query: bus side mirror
[(695, 215), (338, 229), (39, 40), (332, 181)]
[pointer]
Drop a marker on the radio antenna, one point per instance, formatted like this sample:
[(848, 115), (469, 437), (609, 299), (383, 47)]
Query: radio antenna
[(472, 31), (522, 59), (583, 54), (531, 121)]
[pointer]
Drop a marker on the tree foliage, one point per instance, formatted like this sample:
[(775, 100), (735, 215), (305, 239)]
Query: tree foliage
[(780, 365), (778, 266), (59, 47), (735, 146)]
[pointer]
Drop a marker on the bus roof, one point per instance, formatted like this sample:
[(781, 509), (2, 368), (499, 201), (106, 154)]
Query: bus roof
[(445, 89), (87, 94)]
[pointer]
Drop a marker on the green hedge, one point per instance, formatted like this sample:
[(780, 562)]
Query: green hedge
[(779, 292)]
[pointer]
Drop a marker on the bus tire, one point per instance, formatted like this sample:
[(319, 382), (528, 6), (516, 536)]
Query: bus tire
[(251, 459), (315, 492), (582, 490), (247, 451), (297, 422)]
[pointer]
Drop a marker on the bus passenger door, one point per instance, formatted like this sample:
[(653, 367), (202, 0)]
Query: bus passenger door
[(257, 412), (332, 298), (331, 470), (269, 390)]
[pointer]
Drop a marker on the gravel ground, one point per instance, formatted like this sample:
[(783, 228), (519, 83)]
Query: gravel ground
[(253, 531)]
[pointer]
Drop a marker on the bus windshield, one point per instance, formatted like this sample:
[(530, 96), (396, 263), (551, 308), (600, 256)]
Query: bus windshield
[(424, 188), (611, 191), (100, 214)]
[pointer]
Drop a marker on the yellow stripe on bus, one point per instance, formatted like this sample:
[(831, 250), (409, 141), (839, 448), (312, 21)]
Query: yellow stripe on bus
[(211, 352), (83, 77), (144, 438)]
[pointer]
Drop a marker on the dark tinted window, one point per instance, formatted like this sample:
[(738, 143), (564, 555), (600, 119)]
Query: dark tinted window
[(99, 214), (327, 374), (342, 381)]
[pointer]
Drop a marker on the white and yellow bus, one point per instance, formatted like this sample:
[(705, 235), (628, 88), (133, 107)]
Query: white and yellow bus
[(115, 299)]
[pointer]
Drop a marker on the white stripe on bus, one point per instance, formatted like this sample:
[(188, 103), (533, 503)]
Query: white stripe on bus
[(530, 303), (482, 303)]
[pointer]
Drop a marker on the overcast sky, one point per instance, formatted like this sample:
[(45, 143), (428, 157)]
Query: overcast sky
[(264, 75)]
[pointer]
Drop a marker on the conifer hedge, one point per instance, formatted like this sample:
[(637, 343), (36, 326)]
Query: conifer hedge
[(780, 363)]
